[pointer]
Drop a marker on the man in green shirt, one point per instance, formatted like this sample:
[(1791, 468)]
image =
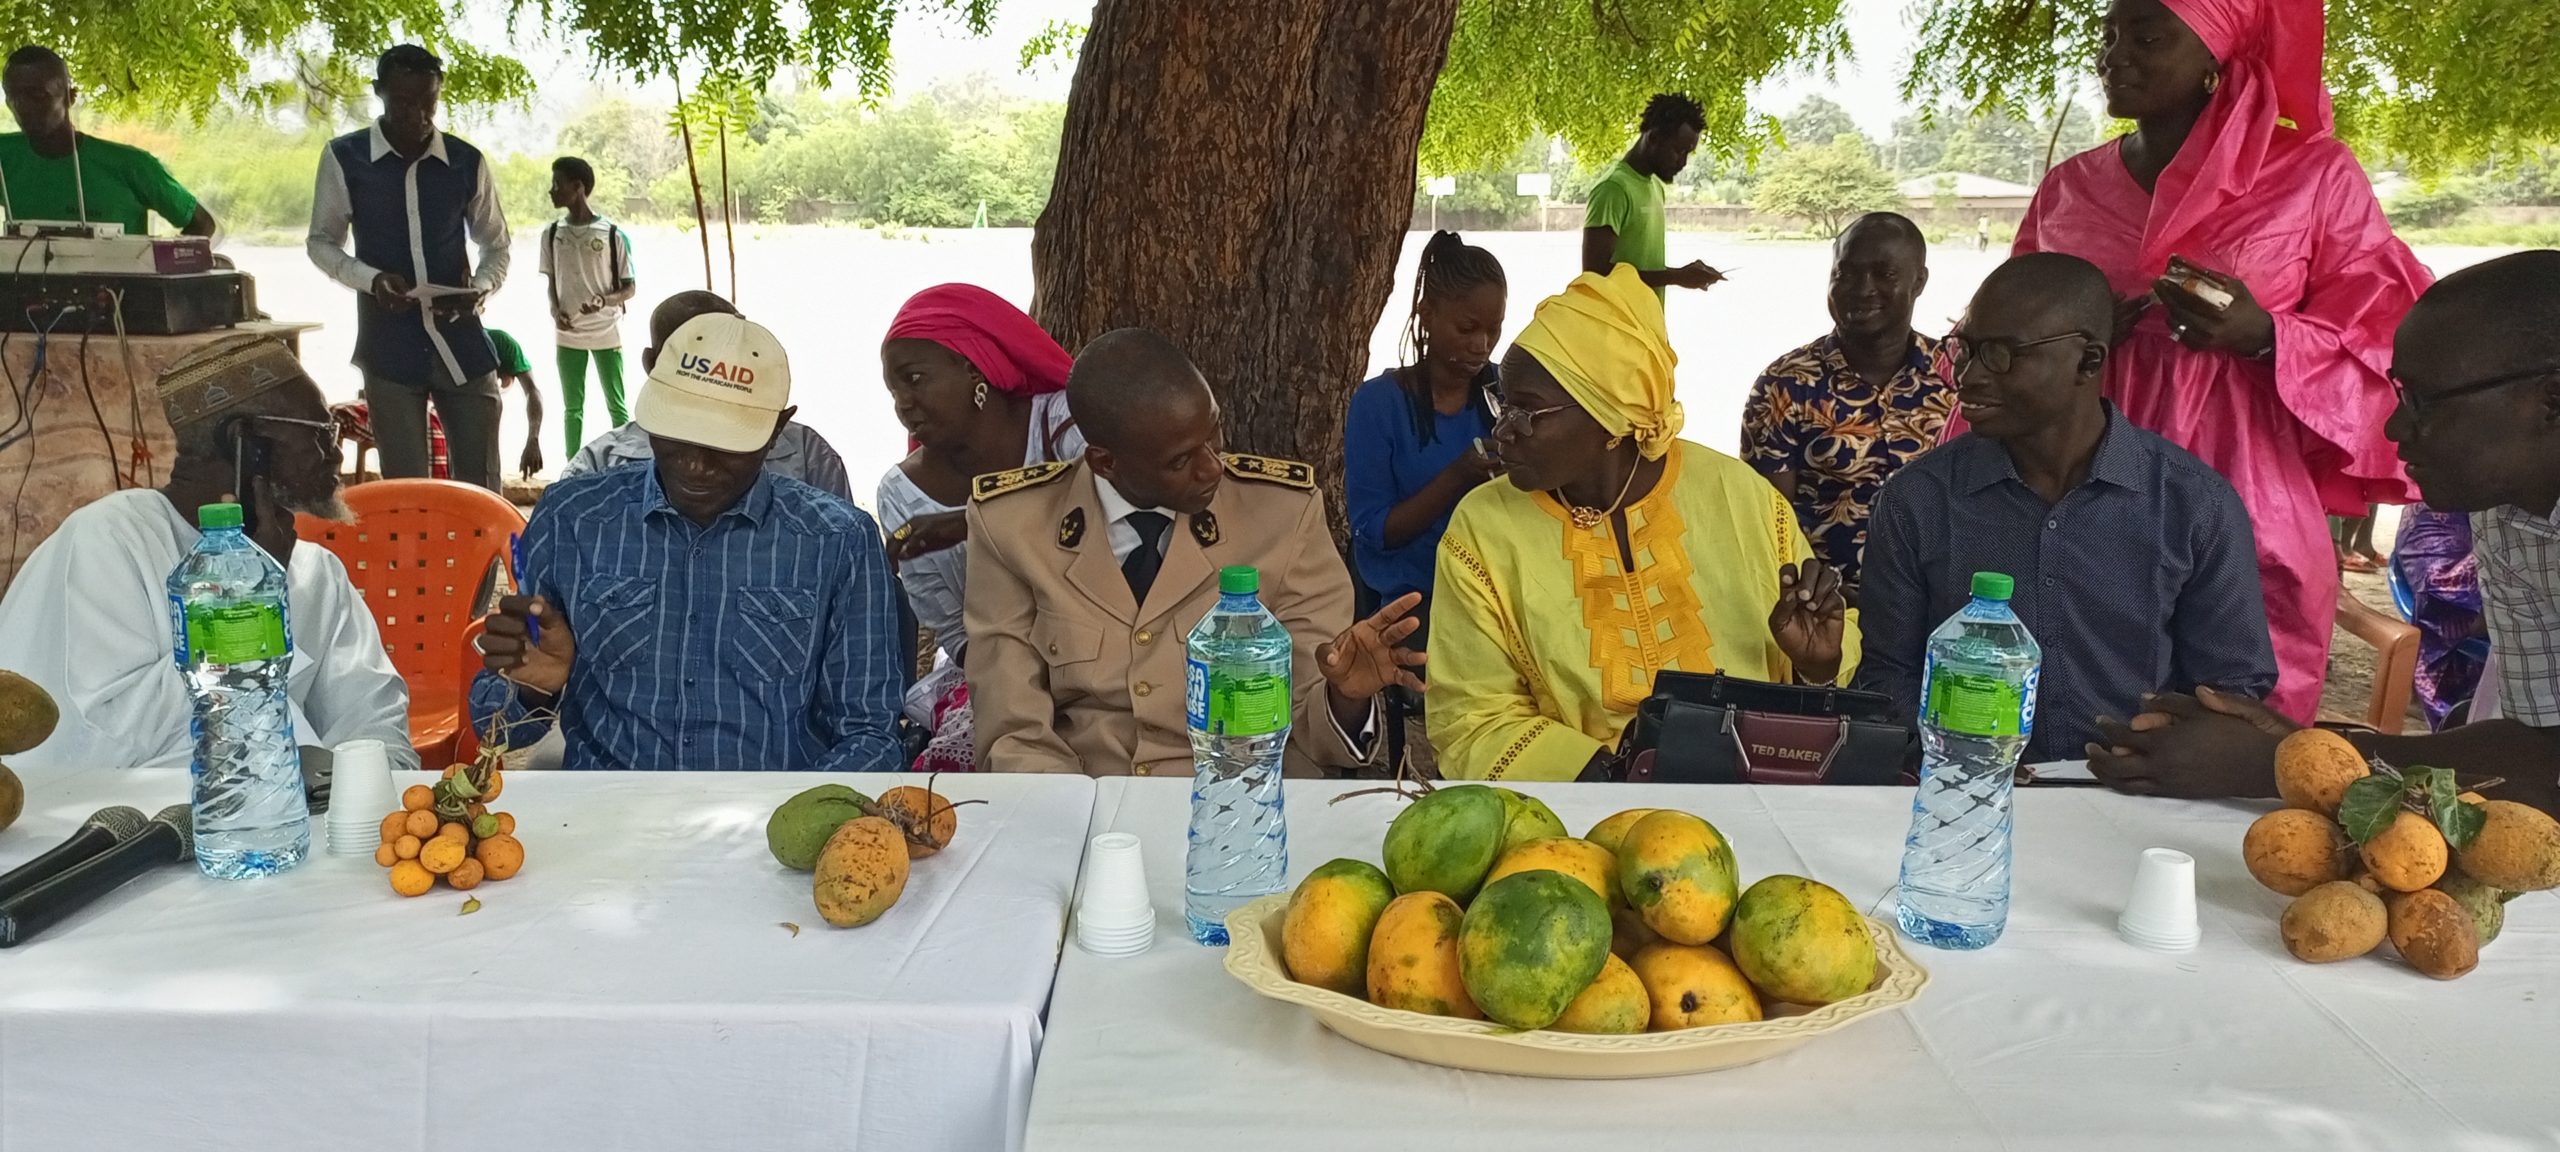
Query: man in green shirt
[(41, 180), (516, 371), (1625, 223)]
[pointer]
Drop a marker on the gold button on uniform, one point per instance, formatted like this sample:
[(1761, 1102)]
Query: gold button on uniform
[(1146, 637), (1144, 689), (1053, 649)]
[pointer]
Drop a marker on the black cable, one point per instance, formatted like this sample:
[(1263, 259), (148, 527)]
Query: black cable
[(91, 390)]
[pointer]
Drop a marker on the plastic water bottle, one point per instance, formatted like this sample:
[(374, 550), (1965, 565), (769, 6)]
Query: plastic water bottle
[(1977, 709), (235, 652), (1239, 700)]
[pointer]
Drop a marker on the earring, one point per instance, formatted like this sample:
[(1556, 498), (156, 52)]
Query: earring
[(1614, 441), (979, 396), (2212, 83)]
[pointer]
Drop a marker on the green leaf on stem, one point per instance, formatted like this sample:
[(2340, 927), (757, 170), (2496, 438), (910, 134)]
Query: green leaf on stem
[(2369, 805)]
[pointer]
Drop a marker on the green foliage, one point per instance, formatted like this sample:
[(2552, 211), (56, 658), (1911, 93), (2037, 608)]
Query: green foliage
[(194, 57), (2430, 206), (1583, 69), (2439, 83), (1996, 143), (748, 42), (1056, 43), (1818, 119), (2371, 803), (1826, 185)]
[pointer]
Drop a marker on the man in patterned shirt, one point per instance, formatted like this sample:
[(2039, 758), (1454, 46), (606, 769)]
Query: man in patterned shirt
[(2477, 363), (1830, 422), (702, 613)]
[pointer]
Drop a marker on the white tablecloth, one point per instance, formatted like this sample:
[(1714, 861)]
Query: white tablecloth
[(632, 988), (2057, 1036)]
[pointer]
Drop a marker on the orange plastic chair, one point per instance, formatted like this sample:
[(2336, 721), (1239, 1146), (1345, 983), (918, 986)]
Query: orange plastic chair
[(2395, 662), (420, 552)]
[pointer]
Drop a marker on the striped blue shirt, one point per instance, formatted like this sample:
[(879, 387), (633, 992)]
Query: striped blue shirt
[(766, 640)]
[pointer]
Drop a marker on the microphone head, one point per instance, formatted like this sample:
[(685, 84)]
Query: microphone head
[(181, 818), (120, 820)]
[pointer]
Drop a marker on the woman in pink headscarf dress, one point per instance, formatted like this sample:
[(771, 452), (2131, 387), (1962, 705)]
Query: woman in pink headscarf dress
[(981, 389), (2233, 174)]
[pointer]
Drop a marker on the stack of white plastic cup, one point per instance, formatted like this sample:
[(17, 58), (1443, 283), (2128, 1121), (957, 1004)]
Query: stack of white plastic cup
[(359, 797), (1113, 915), (2160, 911)]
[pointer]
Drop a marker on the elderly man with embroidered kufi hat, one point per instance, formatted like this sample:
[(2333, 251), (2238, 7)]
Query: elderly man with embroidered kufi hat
[(88, 617), (1617, 550)]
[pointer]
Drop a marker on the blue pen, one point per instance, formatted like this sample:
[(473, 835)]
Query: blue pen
[(532, 624)]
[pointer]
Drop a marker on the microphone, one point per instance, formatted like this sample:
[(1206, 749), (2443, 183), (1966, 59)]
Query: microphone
[(169, 837), (103, 830)]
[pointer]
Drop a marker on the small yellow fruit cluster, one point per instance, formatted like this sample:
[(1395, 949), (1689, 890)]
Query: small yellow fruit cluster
[(421, 845), (2406, 883)]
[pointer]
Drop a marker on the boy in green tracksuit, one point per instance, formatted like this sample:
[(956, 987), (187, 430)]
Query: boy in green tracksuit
[(587, 258)]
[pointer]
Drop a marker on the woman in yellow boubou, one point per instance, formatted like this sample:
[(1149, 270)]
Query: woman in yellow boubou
[(1618, 550)]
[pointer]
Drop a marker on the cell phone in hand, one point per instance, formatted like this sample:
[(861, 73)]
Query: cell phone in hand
[(2195, 283)]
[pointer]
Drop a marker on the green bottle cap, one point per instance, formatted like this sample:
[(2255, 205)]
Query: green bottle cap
[(1239, 580), (1993, 585), (218, 516)]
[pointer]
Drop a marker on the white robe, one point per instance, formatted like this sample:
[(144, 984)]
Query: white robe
[(88, 618)]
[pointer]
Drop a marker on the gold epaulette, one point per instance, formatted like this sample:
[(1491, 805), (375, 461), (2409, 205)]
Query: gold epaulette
[(1271, 469), (995, 484)]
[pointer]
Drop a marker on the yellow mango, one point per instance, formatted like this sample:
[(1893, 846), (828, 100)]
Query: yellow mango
[(1324, 936), (1679, 874), (861, 872), (1615, 1004), (1413, 958), (1693, 986), (1580, 859)]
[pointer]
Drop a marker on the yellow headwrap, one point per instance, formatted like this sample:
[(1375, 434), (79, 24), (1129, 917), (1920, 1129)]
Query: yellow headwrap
[(1604, 340)]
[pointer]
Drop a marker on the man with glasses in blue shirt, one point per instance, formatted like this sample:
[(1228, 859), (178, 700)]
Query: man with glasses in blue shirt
[(697, 611), (2477, 363), (2133, 560)]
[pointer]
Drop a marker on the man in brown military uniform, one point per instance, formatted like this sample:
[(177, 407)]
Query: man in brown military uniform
[(1085, 578)]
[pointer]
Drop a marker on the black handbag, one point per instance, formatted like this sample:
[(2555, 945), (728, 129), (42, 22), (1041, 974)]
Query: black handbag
[(1716, 729)]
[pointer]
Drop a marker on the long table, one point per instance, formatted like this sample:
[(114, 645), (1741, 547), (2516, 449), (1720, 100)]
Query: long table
[(633, 988), (2059, 1035)]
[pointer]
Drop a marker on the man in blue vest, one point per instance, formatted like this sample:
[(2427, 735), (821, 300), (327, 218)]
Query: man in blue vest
[(413, 196)]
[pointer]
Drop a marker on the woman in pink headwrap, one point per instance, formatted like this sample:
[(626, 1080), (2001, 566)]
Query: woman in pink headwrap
[(980, 388), (2261, 284)]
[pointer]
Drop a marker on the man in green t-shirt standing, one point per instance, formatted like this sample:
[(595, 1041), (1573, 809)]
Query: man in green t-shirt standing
[(1625, 222), (106, 183)]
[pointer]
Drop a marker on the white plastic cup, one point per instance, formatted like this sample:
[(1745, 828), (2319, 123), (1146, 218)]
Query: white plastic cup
[(2160, 910), (1114, 916), (359, 797)]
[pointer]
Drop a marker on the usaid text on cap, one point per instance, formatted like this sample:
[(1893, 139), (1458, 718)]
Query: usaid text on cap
[(735, 377)]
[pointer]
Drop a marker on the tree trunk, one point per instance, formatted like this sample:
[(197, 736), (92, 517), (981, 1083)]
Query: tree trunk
[(1239, 176)]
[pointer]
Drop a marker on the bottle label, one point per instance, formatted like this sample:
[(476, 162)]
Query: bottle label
[(1981, 705), (234, 633), (1229, 705)]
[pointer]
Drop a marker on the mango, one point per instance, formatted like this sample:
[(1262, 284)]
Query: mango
[(1526, 818), (1413, 958), (1530, 943), (2517, 850), (1693, 986), (1801, 941), (861, 872), (2338, 920), (1679, 874), (1614, 1005), (2293, 851), (13, 797), (1612, 832), (2488, 911), (1580, 859), (1324, 936), (2409, 854), (2314, 767), (800, 827), (1446, 841), (1628, 931), (2434, 934), (27, 714)]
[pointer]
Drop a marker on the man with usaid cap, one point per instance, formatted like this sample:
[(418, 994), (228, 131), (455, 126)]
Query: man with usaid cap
[(696, 611)]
